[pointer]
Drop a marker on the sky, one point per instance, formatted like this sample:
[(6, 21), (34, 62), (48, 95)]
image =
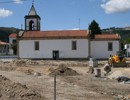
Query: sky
[(67, 14)]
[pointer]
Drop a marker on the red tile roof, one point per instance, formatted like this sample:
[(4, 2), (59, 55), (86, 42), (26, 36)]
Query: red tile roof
[(55, 34), (3, 43), (12, 35), (107, 36), (66, 34)]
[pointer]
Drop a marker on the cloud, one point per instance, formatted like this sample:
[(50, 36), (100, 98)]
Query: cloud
[(75, 29), (116, 6), (5, 13), (18, 1), (69, 29)]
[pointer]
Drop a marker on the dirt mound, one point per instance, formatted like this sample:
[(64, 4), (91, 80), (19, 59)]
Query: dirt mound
[(7, 68), (25, 70), (16, 91), (70, 63), (21, 63), (63, 70), (25, 62)]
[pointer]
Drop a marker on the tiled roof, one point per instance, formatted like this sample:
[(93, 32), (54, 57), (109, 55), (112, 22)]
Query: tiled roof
[(107, 36), (12, 35), (55, 34), (66, 34), (3, 43)]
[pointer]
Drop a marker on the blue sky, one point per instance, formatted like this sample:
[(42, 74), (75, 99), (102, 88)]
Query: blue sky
[(67, 14)]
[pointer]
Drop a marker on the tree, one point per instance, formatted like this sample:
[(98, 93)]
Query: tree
[(94, 28), (127, 41), (14, 47)]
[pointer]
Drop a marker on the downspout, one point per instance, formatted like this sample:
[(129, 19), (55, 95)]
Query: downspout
[(17, 39), (89, 44)]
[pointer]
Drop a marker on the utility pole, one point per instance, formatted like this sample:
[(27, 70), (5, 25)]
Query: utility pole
[(79, 23), (21, 26), (54, 86)]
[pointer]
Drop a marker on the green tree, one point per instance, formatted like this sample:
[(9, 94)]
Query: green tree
[(127, 41), (14, 47), (94, 28)]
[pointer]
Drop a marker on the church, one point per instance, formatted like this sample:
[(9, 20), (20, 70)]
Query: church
[(32, 43)]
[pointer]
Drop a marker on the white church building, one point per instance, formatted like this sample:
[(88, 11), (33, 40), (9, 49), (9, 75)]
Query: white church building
[(63, 44)]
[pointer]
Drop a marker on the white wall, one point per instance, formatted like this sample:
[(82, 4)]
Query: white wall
[(127, 47), (64, 46), (99, 49), (11, 40), (10, 49)]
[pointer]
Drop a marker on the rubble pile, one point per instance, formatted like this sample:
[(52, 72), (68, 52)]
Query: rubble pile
[(6, 66), (67, 63), (25, 62), (25, 70), (62, 70), (16, 91)]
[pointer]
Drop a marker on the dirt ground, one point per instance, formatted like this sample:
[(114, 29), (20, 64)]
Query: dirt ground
[(34, 80)]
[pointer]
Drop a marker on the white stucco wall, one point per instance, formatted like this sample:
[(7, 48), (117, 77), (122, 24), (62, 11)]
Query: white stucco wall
[(127, 47), (11, 42), (64, 46), (99, 49)]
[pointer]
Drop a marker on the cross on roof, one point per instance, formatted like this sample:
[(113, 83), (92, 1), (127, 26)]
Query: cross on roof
[(32, 1)]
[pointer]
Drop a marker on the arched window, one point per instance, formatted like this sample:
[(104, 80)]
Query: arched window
[(31, 25)]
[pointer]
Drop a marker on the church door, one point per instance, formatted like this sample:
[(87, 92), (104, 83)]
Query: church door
[(55, 55)]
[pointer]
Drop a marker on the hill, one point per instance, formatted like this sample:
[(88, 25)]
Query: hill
[(123, 32), (6, 31)]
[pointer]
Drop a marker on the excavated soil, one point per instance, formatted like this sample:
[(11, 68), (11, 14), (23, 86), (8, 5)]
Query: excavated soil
[(16, 91), (25, 79), (62, 70)]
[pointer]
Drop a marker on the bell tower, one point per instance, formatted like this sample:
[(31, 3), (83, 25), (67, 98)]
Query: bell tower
[(32, 20)]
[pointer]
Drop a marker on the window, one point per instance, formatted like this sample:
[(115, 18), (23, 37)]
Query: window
[(127, 46), (36, 45), (14, 41), (110, 46), (31, 25), (74, 45)]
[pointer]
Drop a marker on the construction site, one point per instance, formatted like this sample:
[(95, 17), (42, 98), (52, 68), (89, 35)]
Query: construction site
[(23, 79)]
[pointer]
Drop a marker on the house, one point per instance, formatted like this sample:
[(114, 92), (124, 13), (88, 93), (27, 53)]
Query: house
[(4, 47), (12, 41), (63, 44), (127, 49)]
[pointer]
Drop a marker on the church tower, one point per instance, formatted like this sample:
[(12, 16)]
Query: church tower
[(32, 20)]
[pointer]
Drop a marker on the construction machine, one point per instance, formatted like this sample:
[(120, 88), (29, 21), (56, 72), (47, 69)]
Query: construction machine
[(117, 60)]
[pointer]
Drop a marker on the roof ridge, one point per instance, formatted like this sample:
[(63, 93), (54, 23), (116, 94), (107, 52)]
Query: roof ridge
[(62, 30)]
